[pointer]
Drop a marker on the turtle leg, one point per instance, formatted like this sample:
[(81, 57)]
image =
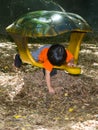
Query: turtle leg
[(24, 52), (75, 42), (74, 48)]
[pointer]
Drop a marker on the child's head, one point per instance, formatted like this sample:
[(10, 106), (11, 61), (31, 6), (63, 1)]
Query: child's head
[(57, 54)]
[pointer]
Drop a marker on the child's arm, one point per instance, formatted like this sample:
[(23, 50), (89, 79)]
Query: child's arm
[(47, 76)]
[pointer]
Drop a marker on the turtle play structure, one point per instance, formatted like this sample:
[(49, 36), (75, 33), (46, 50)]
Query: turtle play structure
[(49, 24)]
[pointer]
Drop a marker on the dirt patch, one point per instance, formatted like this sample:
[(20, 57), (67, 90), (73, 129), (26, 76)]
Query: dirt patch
[(25, 103)]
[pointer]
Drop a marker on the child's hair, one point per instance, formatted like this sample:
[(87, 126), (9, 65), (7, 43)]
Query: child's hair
[(57, 54)]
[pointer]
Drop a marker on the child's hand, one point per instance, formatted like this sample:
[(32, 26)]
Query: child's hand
[(71, 63), (51, 91)]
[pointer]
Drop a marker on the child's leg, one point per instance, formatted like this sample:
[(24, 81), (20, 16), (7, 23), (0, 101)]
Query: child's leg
[(53, 72), (17, 61)]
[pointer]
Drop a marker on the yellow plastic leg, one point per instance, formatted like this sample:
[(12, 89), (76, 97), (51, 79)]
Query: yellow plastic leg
[(74, 44), (26, 56), (24, 52)]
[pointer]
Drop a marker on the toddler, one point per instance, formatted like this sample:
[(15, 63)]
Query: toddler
[(50, 56)]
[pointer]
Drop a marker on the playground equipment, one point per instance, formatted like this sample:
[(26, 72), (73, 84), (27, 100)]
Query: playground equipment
[(49, 24)]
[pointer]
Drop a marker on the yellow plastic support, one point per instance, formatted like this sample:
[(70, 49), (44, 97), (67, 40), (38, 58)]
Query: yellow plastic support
[(24, 52), (75, 43), (74, 47)]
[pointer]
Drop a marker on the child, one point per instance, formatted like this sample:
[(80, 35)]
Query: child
[(50, 56)]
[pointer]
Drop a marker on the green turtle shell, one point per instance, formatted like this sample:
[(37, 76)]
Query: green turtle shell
[(48, 23)]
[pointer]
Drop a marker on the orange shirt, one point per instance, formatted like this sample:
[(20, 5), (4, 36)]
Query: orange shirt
[(69, 56), (44, 59)]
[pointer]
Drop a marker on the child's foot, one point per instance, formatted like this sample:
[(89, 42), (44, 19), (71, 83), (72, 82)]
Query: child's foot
[(53, 72), (17, 61)]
